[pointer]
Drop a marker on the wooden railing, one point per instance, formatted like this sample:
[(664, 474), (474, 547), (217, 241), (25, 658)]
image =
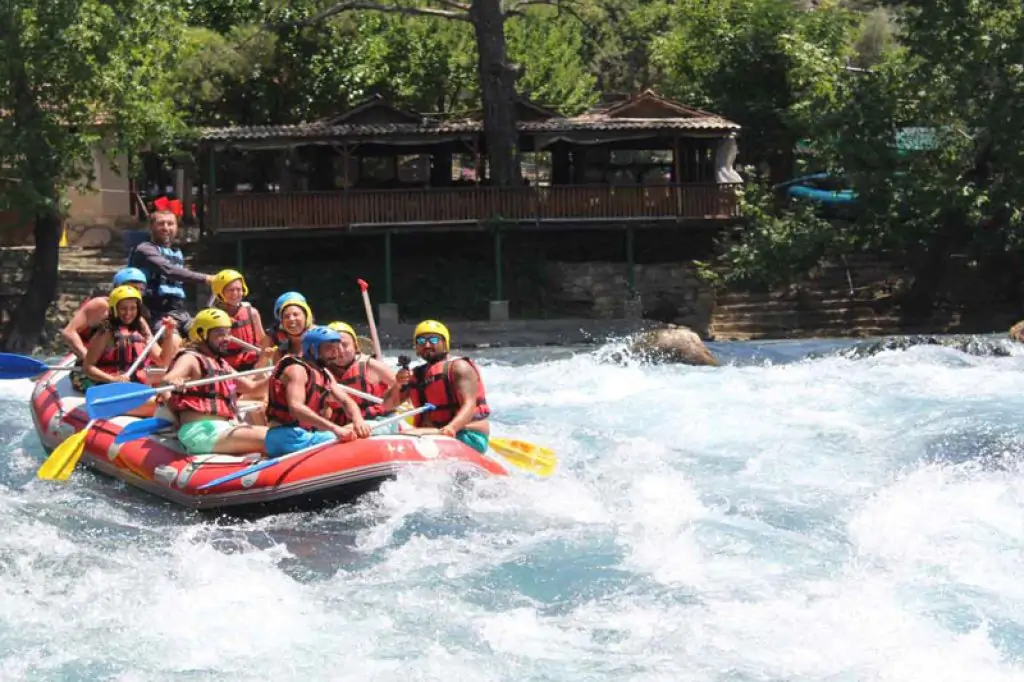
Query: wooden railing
[(361, 208)]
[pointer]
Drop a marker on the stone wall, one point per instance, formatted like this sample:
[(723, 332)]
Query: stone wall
[(668, 292)]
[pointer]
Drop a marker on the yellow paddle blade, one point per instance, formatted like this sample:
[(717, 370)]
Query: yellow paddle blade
[(526, 456), (59, 465), (405, 407)]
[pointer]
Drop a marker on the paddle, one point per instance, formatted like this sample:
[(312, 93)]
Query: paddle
[(526, 456), (266, 464), (142, 428), (110, 400), (14, 366), (365, 288), (59, 465)]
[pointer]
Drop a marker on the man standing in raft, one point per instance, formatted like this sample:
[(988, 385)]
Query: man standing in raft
[(89, 317), (208, 415), (164, 266), (361, 372), (301, 390), (230, 289), (453, 385)]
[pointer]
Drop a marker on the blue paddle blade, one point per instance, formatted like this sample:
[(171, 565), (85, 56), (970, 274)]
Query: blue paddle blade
[(142, 428), (112, 400), (19, 366)]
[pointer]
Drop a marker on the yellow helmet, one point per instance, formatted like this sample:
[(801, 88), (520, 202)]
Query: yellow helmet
[(206, 321), (302, 305), (123, 293), (225, 277), (432, 327), (344, 328)]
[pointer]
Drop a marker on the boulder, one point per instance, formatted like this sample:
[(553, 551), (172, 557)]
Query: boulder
[(672, 344)]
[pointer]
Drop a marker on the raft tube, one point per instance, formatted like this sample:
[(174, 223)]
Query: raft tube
[(326, 475)]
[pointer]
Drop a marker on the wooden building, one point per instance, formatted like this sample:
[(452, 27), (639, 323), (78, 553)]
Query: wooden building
[(632, 162)]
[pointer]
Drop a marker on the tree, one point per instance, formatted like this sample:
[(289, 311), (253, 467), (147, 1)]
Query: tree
[(497, 77), (74, 74), (759, 63)]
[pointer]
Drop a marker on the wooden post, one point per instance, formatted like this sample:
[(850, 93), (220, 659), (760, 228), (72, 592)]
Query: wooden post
[(631, 261), (388, 291), (211, 183), (499, 285), (677, 162)]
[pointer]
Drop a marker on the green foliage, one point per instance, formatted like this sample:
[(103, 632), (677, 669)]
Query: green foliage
[(777, 242), (551, 49), (76, 72)]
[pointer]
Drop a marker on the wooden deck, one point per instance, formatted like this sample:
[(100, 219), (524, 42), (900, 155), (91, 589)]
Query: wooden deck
[(369, 209)]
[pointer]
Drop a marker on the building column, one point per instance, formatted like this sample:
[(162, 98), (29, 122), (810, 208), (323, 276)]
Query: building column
[(633, 306), (499, 306), (388, 311)]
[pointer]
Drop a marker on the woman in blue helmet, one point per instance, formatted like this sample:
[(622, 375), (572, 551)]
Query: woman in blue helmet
[(294, 317)]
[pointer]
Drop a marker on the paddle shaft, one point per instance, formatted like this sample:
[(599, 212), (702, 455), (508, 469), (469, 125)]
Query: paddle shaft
[(244, 344), (365, 288), (145, 351), (190, 384), (271, 462)]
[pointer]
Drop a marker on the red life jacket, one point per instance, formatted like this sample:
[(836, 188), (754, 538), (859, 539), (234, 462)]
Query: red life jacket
[(116, 359), (281, 340), (435, 383), (216, 400), (242, 328), (355, 377), (318, 389)]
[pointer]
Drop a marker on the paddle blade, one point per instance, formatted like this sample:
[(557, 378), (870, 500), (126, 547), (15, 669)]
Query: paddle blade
[(112, 400), (14, 366), (142, 428), (526, 456), (59, 465)]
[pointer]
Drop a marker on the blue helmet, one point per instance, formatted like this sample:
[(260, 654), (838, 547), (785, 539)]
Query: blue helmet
[(312, 339), (284, 298), (127, 275)]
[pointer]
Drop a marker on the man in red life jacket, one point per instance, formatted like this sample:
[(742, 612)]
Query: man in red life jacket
[(301, 390), (208, 415), (361, 372), (453, 385)]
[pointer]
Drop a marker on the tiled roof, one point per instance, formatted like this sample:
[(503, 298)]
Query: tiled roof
[(556, 125)]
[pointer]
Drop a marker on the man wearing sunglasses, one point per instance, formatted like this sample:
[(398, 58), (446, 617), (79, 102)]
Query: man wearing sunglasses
[(453, 385)]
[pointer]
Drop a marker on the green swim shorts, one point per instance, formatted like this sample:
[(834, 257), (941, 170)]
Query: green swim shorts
[(200, 437), (474, 439)]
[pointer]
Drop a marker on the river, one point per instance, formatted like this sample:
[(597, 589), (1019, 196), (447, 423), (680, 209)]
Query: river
[(794, 515)]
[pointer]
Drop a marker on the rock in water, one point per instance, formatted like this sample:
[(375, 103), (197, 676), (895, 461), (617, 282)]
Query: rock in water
[(971, 345), (675, 344)]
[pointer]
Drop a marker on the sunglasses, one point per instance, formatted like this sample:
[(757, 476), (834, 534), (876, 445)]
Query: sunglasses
[(424, 340)]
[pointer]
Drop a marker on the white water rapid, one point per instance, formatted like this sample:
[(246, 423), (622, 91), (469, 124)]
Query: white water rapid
[(777, 519)]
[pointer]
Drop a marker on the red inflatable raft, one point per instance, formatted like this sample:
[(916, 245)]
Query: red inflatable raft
[(322, 476)]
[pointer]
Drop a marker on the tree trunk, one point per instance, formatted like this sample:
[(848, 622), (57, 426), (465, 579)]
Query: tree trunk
[(23, 331), (498, 91)]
